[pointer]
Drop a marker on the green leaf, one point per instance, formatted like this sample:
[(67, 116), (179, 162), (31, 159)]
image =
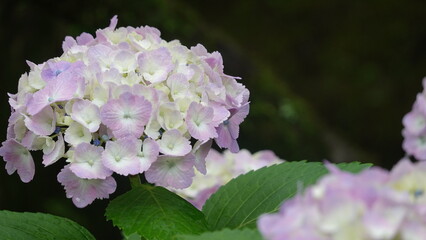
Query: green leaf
[(155, 213), (39, 226), (240, 202), (226, 234)]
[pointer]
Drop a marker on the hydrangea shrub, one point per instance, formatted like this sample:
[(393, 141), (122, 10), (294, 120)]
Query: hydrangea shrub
[(126, 102)]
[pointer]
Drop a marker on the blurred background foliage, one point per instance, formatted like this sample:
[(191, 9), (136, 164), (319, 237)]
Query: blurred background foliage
[(329, 79)]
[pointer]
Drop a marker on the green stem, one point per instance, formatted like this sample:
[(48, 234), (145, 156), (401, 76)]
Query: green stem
[(135, 181)]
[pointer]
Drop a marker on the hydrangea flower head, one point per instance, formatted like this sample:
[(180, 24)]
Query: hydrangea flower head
[(123, 101), (374, 204)]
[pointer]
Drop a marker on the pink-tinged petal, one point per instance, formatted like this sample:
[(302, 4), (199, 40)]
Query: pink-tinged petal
[(270, 225), (148, 155), (246, 96), (113, 22), (199, 50), (32, 65), (200, 151), (169, 117), (16, 127), (87, 162), (100, 55), (48, 145), (127, 115), (155, 65), (168, 171), (403, 167), (382, 222), (20, 100), (53, 69), (244, 162), (19, 159), (265, 158), (214, 76), (43, 123), (220, 114), (67, 44), (228, 131), (420, 103), (152, 129), (121, 156), (63, 70), (116, 91), (125, 61), (215, 61), (235, 92), (84, 191), (233, 128), (19, 130), (76, 134), (179, 86), (240, 114), (224, 139), (174, 144), (10, 133), (186, 70), (33, 142), (414, 122), (84, 39), (145, 37), (62, 88), (57, 152), (214, 91), (202, 196), (199, 122), (15, 116), (148, 93), (415, 145), (87, 114), (218, 158), (234, 148)]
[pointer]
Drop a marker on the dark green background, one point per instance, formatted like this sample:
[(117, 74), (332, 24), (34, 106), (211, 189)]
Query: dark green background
[(329, 79)]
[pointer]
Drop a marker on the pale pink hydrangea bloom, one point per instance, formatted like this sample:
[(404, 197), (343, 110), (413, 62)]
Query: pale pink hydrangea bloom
[(220, 168), (123, 102), (374, 204)]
